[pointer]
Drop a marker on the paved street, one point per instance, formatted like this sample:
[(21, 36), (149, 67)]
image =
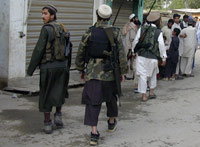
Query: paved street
[(171, 120)]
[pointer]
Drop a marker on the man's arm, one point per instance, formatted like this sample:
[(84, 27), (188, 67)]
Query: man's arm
[(162, 49), (136, 40), (81, 54), (38, 51), (122, 56)]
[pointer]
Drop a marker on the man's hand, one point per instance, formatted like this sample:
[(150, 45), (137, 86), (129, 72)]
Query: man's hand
[(163, 63), (122, 78), (129, 54), (82, 76), (183, 35)]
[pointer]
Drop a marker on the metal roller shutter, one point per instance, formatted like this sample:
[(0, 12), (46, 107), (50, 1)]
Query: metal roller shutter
[(126, 10), (76, 15)]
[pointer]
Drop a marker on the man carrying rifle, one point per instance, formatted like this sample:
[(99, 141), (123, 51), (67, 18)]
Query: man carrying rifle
[(149, 45), (95, 62)]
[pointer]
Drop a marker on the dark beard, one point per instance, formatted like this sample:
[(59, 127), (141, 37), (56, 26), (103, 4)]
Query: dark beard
[(135, 21)]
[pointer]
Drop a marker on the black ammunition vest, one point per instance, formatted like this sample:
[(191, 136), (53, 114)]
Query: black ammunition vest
[(150, 45), (98, 43)]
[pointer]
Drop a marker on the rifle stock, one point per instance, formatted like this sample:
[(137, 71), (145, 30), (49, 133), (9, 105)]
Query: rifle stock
[(114, 59)]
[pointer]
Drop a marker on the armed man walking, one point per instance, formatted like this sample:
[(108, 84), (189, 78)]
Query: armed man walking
[(51, 55), (149, 48), (95, 54)]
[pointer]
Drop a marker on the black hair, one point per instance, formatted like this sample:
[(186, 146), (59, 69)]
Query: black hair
[(177, 31), (51, 12), (176, 15), (138, 23), (165, 38), (171, 21), (185, 16)]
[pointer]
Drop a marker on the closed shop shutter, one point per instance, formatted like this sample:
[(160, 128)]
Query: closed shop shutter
[(125, 12), (76, 15)]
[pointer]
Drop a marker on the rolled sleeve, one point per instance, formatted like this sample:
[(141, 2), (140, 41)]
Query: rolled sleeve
[(162, 49), (136, 40)]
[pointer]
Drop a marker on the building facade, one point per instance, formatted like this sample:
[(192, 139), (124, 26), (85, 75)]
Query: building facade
[(21, 25)]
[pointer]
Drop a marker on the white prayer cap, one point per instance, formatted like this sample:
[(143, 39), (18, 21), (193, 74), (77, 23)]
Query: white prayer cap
[(104, 11), (131, 16)]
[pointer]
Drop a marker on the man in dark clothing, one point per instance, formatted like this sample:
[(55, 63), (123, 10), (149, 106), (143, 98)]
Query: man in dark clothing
[(100, 85), (172, 58), (49, 55), (184, 23)]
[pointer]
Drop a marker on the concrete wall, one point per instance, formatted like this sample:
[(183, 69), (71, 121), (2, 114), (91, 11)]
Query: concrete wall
[(4, 38), (17, 44), (12, 46)]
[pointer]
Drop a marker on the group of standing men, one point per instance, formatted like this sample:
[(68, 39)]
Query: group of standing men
[(101, 50), (176, 43), (186, 45)]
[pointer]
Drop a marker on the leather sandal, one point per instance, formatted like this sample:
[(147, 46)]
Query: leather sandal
[(152, 96)]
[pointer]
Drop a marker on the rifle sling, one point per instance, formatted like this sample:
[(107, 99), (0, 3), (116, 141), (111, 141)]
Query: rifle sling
[(109, 33), (144, 34)]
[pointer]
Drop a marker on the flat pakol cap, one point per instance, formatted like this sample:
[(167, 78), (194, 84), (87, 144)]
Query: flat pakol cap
[(104, 11), (154, 16), (52, 7)]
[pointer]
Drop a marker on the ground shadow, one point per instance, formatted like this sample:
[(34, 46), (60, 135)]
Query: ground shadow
[(31, 120)]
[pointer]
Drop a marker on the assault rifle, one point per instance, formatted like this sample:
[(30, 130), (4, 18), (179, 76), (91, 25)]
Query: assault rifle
[(114, 57), (115, 53)]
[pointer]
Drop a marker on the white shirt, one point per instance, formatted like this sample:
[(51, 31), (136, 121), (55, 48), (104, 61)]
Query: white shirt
[(167, 32), (180, 48), (175, 25), (185, 24), (198, 34), (161, 43), (190, 42)]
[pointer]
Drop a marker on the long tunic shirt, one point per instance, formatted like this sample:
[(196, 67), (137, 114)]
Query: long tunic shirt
[(130, 34), (190, 42), (168, 33), (173, 50), (53, 81), (152, 63), (130, 31), (180, 49)]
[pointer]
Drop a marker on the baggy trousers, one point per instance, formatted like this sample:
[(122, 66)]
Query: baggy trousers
[(186, 65), (92, 111)]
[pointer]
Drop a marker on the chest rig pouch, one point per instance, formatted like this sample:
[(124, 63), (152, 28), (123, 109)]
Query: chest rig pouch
[(98, 43), (58, 39), (149, 47)]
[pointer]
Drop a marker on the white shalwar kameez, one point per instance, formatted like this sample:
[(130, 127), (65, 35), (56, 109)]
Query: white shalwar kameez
[(148, 68), (189, 46)]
